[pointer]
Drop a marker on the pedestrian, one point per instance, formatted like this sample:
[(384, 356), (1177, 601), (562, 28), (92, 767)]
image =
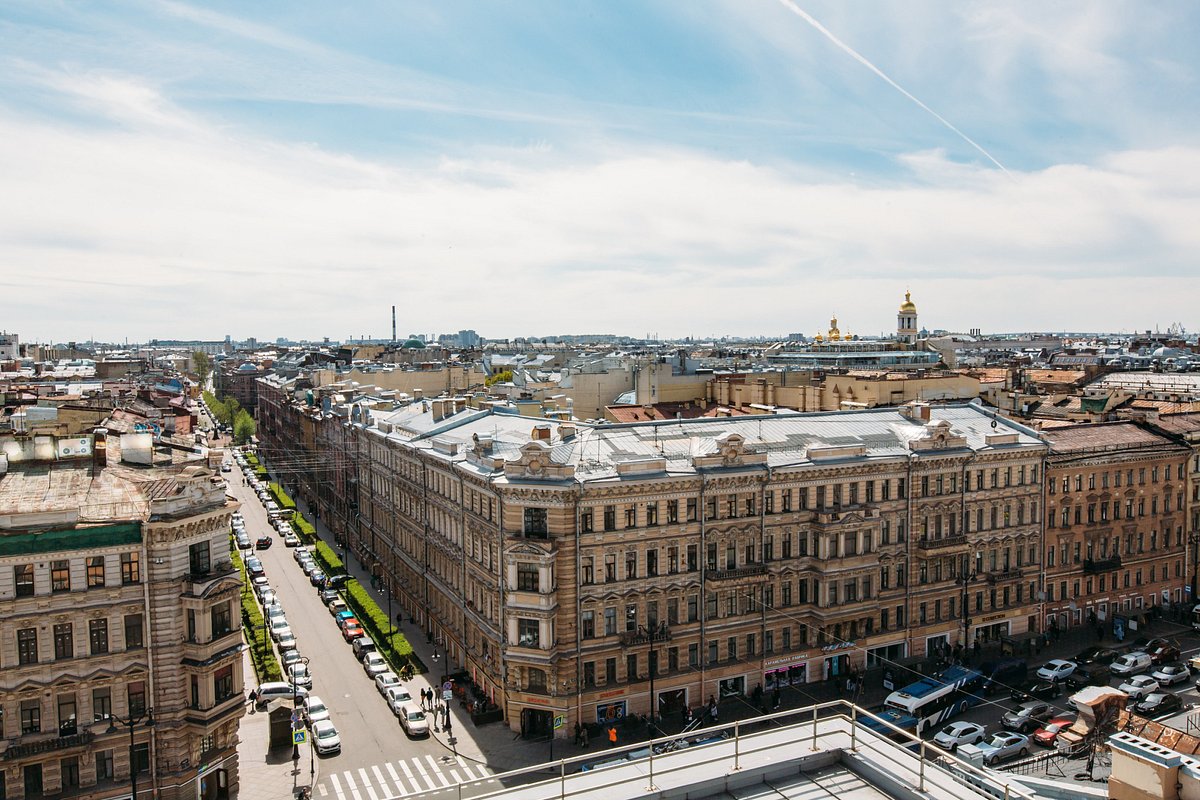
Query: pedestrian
[(712, 708), (776, 698), (578, 733), (253, 700), (584, 737), (612, 736)]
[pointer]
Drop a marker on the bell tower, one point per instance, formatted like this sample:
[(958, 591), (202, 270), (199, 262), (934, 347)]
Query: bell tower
[(906, 321)]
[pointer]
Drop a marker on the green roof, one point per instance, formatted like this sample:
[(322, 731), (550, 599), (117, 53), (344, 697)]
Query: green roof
[(17, 544)]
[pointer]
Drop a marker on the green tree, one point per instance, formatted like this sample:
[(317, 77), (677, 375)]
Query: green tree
[(243, 426), (203, 366)]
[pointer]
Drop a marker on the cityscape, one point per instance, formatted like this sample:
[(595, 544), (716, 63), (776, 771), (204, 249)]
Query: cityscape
[(528, 401)]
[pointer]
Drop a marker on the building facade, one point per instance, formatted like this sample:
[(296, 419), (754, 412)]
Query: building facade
[(1116, 524), (120, 605), (594, 572)]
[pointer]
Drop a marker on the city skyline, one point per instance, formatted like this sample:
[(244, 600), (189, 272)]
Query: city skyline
[(727, 168)]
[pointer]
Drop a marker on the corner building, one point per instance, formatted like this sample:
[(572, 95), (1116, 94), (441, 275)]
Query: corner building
[(1115, 517), (597, 571), (118, 599)]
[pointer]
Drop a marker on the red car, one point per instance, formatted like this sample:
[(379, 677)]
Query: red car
[(1048, 735), (352, 632), (263, 543)]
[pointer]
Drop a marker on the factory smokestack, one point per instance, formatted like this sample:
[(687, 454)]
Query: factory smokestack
[(393, 324)]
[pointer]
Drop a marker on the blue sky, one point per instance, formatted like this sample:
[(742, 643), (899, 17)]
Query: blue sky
[(699, 168)]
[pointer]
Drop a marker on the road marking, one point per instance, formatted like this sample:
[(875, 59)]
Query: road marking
[(366, 781), (437, 771), (323, 790), (383, 787), (454, 777), (395, 778), (353, 789), (337, 786), (424, 775)]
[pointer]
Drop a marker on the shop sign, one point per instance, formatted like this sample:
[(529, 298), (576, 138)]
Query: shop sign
[(613, 693), (991, 618), (829, 648)]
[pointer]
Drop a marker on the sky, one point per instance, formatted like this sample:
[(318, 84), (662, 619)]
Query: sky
[(537, 167)]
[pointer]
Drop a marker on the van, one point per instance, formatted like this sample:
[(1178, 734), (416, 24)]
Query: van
[(279, 690), (1007, 672), (1131, 664)]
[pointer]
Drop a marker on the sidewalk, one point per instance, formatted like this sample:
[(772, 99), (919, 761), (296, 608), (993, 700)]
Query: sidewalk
[(262, 774)]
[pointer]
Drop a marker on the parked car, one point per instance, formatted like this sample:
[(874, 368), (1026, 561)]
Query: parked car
[(337, 581), (279, 626), (268, 598), (315, 709), (317, 578), (352, 632), (374, 664), (262, 543), (254, 566), (1004, 745), (1094, 674), (1003, 673), (298, 674), (1156, 704), (345, 617), (1131, 664), (286, 642), (1096, 655), (1139, 686), (328, 596), (413, 720), (1056, 669), (385, 681), (1170, 674), (291, 540), (397, 697), (243, 541), (273, 690), (956, 733), (362, 646), (1027, 717), (272, 612), (289, 657), (1162, 651), (337, 605), (1047, 736), (325, 738), (301, 553), (1037, 690)]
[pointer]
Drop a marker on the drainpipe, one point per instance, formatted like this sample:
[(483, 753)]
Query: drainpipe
[(703, 599), (145, 557)]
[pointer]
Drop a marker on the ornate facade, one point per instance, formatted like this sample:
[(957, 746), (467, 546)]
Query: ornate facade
[(119, 599)]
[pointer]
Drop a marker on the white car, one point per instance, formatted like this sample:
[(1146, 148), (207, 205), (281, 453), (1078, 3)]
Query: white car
[(413, 720), (301, 553), (1170, 674), (337, 605), (1139, 686), (286, 641), (298, 674), (316, 709), (385, 681), (291, 540), (397, 698), (374, 664), (279, 626), (1056, 670), (274, 612), (325, 738), (956, 733)]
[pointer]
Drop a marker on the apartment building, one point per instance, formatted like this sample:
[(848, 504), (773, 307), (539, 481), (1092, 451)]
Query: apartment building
[(597, 571), (120, 605), (1116, 523)]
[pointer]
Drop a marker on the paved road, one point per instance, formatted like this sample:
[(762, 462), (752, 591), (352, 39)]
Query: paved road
[(378, 759)]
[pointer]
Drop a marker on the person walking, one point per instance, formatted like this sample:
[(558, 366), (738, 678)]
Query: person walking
[(776, 698), (612, 736)]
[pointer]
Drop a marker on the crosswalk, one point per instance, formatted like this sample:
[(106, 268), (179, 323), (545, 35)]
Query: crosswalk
[(400, 778)]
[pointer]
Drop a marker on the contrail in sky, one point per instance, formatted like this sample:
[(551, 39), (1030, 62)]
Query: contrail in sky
[(804, 15)]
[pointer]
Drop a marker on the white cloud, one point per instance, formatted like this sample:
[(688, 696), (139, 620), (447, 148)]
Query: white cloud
[(168, 226)]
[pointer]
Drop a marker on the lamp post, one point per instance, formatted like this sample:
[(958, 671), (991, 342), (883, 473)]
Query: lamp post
[(965, 579), (295, 699), (132, 722), (652, 664), (389, 597)]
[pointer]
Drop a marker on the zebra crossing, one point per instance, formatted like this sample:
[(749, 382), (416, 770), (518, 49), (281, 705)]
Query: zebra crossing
[(400, 778)]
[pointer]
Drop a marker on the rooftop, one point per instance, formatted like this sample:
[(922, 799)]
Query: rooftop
[(1102, 436)]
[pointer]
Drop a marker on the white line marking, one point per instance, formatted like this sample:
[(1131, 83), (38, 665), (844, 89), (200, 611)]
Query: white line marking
[(454, 777), (424, 774), (323, 790), (437, 771), (337, 787), (353, 789), (366, 781), (396, 778)]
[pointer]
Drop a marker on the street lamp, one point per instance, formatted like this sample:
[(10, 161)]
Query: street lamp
[(652, 663), (296, 699), (132, 722)]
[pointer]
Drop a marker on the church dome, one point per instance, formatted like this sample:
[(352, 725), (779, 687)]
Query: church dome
[(907, 307), (413, 344)]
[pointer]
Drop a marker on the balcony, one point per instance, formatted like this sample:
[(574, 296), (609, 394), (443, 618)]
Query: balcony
[(1007, 574), (945, 543), (748, 571), (658, 633), (23, 749), (221, 708), (531, 600), (1093, 566), (198, 584), (223, 643)]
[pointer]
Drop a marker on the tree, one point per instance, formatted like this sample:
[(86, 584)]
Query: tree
[(243, 427), (203, 365)]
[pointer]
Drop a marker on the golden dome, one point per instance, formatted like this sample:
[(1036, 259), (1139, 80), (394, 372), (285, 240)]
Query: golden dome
[(819, 338), (907, 306), (834, 333)]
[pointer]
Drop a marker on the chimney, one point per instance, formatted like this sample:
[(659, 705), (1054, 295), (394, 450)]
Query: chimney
[(566, 431), (99, 448), (540, 433)]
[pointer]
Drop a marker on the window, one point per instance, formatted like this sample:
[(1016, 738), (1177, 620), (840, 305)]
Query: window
[(535, 523), (67, 725), (672, 511), (95, 571), (589, 673), (673, 559), (137, 697), (631, 617), (631, 667), (610, 621), (527, 577), (69, 770), (651, 514), (693, 608), (713, 654), (31, 716), (610, 670), (651, 563), (101, 704), (60, 576), (141, 757), (222, 622), (692, 558), (610, 518), (585, 520), (27, 649), (691, 509), (630, 564), (64, 641), (131, 571), (23, 577), (223, 683), (133, 627), (589, 624), (589, 574), (610, 568), (104, 766), (98, 636)]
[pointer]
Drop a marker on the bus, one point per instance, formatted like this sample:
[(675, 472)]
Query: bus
[(936, 699), (897, 719)]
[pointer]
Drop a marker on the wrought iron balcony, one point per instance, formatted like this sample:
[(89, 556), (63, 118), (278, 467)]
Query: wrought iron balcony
[(659, 633), (1092, 566), (747, 571), (926, 543), (1006, 574)]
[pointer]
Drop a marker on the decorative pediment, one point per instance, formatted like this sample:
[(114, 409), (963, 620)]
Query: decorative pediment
[(536, 464), (731, 450), (938, 435)]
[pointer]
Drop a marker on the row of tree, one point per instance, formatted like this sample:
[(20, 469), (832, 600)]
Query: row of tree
[(229, 411)]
